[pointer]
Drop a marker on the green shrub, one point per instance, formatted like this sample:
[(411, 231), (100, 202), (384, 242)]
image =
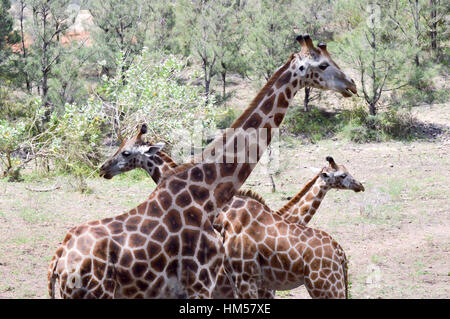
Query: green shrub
[(157, 93), (315, 124), (228, 117)]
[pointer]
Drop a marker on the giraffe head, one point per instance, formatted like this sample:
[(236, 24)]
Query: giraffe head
[(318, 69), (133, 153), (337, 176)]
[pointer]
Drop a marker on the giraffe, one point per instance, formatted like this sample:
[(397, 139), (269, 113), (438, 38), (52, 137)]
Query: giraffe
[(299, 210), (166, 247), (302, 207)]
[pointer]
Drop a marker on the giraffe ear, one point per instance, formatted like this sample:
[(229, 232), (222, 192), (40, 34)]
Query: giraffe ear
[(153, 149)]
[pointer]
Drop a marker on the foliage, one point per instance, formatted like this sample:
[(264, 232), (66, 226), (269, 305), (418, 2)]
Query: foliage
[(155, 93)]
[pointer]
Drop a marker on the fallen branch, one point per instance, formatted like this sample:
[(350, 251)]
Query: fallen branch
[(54, 187)]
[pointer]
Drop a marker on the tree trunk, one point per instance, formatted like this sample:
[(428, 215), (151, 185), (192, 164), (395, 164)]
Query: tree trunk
[(433, 32), (372, 108), (306, 99), (224, 82)]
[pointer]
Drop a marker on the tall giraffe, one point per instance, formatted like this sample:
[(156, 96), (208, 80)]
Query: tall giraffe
[(298, 210), (166, 247)]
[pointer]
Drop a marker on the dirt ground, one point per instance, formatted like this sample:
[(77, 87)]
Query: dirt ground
[(396, 234)]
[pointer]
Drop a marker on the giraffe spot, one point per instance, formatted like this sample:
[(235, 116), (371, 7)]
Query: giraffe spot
[(141, 209), (129, 291), (94, 223), (199, 194), (245, 218), (308, 255), (115, 227), (294, 84), (297, 267), (268, 104), (270, 92), (99, 269), (136, 240), (256, 232), (244, 172), (309, 197), (101, 249), (223, 193), (109, 285), (126, 258), (160, 234), (320, 79), (139, 269), (316, 82), (189, 239), (237, 203), (80, 294), (140, 254), (132, 223), (193, 216), (314, 242), (316, 204), (106, 220), (159, 263), (165, 199), (84, 244), (149, 276), (147, 226), (282, 244), (172, 246), (284, 79), (288, 93), (142, 285), (154, 209), (173, 221), (227, 169), (183, 199), (196, 175), (176, 185), (122, 217), (153, 249), (253, 122), (210, 173), (315, 264), (282, 101), (86, 267), (124, 277), (278, 118), (209, 206)]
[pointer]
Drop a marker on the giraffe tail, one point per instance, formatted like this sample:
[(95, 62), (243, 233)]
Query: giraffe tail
[(52, 276), (345, 268)]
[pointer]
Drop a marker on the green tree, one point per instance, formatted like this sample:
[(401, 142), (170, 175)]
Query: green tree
[(8, 37), (122, 26), (380, 54), (51, 19)]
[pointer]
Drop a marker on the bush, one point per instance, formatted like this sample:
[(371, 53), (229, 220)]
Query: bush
[(315, 124), (155, 93)]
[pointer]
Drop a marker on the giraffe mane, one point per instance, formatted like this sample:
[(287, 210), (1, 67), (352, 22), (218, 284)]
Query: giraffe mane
[(299, 195), (177, 169), (166, 158), (251, 194), (255, 102)]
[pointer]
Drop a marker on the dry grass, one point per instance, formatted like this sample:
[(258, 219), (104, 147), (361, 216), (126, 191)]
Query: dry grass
[(396, 233)]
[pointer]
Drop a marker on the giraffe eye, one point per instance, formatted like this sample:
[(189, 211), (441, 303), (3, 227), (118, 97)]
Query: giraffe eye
[(126, 153), (323, 66), (343, 176), (301, 68)]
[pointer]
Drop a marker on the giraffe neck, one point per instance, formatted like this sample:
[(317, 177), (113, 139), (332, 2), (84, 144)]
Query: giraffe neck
[(302, 207), (160, 165), (220, 170)]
